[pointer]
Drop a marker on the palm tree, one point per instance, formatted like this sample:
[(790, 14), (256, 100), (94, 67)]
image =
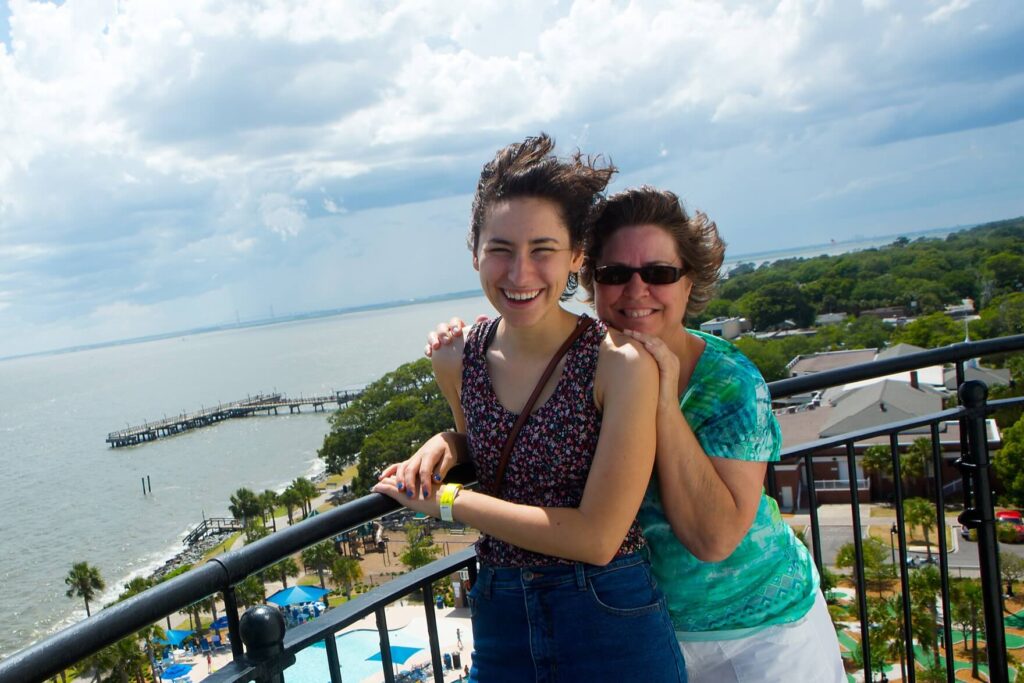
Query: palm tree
[(244, 505), (345, 571), (281, 570), (270, 500), (319, 557), (291, 500), (968, 601), (250, 591), (925, 584), (85, 582), (921, 512), (135, 586), (307, 490)]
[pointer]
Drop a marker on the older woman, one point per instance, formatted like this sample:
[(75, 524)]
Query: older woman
[(741, 588)]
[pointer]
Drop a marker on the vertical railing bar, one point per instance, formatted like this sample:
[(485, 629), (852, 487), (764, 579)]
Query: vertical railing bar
[(435, 647), (385, 646), (940, 508), (973, 395), (234, 630), (333, 662), (901, 533), (858, 548), (812, 500)]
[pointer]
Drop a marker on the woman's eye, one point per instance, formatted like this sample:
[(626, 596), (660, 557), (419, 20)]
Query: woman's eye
[(543, 251)]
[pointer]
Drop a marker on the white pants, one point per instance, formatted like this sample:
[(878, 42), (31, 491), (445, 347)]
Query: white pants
[(805, 651)]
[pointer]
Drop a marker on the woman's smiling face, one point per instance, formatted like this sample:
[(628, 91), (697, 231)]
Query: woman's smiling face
[(653, 309), (524, 258)]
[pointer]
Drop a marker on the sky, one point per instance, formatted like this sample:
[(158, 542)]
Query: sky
[(172, 165)]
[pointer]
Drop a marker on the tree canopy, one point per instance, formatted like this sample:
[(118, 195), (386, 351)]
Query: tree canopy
[(392, 418)]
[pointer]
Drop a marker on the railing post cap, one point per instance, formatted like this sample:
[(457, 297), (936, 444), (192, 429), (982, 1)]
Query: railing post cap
[(973, 393), (262, 629)]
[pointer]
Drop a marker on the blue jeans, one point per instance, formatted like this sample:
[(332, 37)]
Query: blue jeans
[(567, 623)]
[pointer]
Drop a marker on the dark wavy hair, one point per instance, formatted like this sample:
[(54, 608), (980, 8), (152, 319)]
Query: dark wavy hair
[(531, 169), (698, 244)]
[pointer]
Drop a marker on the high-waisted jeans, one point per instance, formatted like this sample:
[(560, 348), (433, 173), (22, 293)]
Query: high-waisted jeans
[(567, 623)]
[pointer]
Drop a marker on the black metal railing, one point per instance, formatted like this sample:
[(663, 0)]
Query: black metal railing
[(269, 648)]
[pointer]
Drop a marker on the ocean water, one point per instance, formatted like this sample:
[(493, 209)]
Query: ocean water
[(68, 497)]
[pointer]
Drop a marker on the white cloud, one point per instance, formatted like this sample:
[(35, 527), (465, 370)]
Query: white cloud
[(152, 153)]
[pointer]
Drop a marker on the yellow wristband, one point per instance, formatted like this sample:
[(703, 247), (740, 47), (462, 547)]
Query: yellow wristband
[(448, 494)]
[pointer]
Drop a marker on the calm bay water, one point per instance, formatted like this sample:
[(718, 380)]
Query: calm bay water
[(68, 497)]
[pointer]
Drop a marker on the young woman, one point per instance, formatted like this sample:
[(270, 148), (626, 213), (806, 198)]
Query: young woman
[(741, 588), (563, 592)]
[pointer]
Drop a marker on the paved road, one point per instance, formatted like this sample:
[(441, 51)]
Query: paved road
[(963, 555)]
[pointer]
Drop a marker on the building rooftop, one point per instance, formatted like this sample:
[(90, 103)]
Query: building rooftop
[(830, 360)]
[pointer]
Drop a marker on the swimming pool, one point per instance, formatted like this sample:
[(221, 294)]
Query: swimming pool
[(354, 649)]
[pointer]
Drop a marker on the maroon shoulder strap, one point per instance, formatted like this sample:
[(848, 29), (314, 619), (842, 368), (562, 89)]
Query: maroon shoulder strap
[(582, 325)]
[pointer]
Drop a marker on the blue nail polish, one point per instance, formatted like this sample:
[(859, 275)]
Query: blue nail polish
[(426, 492), (437, 477), (408, 492), (400, 486)]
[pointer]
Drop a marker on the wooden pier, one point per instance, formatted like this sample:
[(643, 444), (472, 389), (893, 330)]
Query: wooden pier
[(261, 404), (212, 525)]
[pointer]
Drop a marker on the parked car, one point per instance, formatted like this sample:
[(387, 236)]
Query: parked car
[(1010, 519)]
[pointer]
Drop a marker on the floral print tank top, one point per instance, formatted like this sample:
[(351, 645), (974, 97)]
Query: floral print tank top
[(551, 459)]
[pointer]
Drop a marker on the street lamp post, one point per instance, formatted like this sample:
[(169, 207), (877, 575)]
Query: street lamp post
[(892, 544)]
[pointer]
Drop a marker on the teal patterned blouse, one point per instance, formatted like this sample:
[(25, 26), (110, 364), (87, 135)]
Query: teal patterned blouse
[(770, 578)]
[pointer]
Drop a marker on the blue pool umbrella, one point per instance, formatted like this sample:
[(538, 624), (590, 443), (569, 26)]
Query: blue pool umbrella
[(399, 654), (176, 671), (296, 595), (221, 622), (174, 636)]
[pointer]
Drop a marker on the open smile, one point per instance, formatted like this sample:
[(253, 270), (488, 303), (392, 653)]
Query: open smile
[(521, 296)]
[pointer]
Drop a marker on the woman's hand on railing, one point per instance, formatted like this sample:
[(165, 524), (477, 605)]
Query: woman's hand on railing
[(416, 477), (427, 504)]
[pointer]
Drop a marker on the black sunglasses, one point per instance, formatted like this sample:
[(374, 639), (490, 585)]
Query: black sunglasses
[(652, 275)]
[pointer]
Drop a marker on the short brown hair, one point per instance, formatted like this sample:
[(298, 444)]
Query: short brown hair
[(697, 241), (531, 169)]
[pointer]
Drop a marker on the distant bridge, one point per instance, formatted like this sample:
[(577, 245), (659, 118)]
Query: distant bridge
[(265, 404)]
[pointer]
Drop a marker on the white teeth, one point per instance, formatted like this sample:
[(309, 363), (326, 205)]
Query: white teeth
[(521, 296), (639, 313)]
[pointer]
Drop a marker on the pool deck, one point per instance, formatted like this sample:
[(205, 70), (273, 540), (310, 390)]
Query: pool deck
[(411, 619)]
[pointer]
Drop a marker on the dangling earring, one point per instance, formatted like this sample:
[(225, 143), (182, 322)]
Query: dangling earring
[(574, 281)]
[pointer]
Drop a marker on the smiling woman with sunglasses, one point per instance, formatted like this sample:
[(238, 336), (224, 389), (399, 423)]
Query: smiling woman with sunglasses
[(742, 589)]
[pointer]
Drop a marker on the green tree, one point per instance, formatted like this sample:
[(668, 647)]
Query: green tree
[(930, 331), (967, 605), (392, 417), (1011, 568), (876, 571), (775, 303), (270, 500), (921, 512), (245, 505), (307, 492), (291, 500), (345, 572), (1008, 462), (925, 585), (84, 581), (420, 549), (320, 558), (250, 591), (280, 571), (254, 530), (135, 586)]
